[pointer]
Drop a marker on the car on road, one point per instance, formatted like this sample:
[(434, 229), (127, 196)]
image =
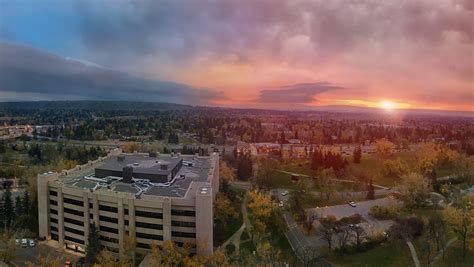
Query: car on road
[(31, 243), (284, 193), (24, 243), (352, 204), (17, 242)]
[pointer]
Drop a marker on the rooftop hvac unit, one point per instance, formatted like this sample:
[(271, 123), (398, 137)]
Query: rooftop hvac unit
[(127, 174)]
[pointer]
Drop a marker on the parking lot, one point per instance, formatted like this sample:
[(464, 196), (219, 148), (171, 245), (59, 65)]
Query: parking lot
[(32, 254), (362, 208)]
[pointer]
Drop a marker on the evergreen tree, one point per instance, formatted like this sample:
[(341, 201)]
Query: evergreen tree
[(370, 191), (357, 154), (8, 211), (159, 134), (18, 207), (93, 245), (26, 202), (244, 169)]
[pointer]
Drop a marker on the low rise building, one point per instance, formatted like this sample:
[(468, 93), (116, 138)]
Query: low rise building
[(150, 197)]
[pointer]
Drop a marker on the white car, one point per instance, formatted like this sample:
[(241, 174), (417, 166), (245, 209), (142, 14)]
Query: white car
[(284, 193), (17, 242), (31, 243), (352, 204), (24, 243), (280, 204)]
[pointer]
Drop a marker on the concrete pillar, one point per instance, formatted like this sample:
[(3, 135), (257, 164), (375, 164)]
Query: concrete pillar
[(121, 225), (204, 220), (166, 219), (95, 209), (131, 218), (43, 205), (85, 200), (60, 217)]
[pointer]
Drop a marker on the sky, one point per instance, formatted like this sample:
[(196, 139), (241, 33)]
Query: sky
[(243, 53)]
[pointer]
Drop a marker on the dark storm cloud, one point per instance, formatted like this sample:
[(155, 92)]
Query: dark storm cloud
[(29, 71), (298, 93)]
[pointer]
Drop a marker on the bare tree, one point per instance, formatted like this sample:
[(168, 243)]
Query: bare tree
[(359, 234), (343, 235)]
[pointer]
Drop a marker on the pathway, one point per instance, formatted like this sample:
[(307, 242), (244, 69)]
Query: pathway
[(235, 238), (413, 253)]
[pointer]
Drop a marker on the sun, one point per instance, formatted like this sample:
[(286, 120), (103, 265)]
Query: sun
[(387, 105)]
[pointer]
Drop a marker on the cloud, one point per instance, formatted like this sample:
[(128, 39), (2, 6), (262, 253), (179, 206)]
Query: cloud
[(31, 72), (298, 93)]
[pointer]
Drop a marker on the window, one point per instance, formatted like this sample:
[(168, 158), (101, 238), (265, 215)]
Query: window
[(108, 239), (53, 220), (75, 212), (72, 239), (53, 202), (181, 234), (108, 219), (150, 236), (108, 229), (141, 245), (54, 237), (53, 193), (149, 225), (183, 224), (191, 213), (74, 231), (53, 229), (108, 208), (73, 202), (76, 222), (149, 214), (53, 211)]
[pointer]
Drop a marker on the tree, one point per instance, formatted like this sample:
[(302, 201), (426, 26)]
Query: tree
[(357, 155), (384, 148), (244, 169), (225, 212), (8, 253), (370, 191), (359, 233), (327, 232), (130, 147), (93, 245), (325, 184), (46, 261), (394, 168), (7, 209), (437, 229), (343, 235), (407, 228), (266, 172), (414, 189), (226, 172), (461, 220), (106, 258), (262, 208)]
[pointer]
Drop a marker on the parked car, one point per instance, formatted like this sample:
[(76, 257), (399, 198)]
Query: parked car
[(280, 204), (31, 243), (352, 204), (24, 243), (17, 242)]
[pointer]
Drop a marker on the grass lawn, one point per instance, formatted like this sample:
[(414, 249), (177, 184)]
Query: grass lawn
[(453, 257), (388, 254)]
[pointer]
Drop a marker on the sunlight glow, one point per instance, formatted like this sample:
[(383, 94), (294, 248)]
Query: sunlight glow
[(388, 105)]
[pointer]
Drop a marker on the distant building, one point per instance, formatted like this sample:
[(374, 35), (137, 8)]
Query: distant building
[(152, 197)]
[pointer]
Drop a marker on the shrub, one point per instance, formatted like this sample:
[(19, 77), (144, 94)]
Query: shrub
[(353, 219), (385, 213)]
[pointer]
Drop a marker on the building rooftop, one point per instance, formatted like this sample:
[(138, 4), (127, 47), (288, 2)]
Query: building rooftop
[(189, 169)]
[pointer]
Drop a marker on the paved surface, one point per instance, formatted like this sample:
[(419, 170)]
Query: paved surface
[(32, 254)]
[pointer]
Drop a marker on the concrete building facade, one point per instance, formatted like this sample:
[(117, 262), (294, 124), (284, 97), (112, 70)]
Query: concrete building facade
[(179, 209)]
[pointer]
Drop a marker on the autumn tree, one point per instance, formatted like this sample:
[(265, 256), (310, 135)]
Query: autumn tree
[(45, 261), (394, 168), (461, 221), (107, 259), (384, 148), (266, 172), (414, 189), (226, 172), (130, 147), (437, 229), (225, 211), (325, 183), (262, 207), (7, 254)]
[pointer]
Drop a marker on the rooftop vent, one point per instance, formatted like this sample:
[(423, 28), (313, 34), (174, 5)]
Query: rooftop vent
[(127, 173), (135, 164)]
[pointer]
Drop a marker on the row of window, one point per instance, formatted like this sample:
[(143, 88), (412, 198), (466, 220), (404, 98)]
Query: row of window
[(150, 236), (108, 208), (190, 213), (73, 202), (108, 229), (182, 234), (72, 239), (74, 231), (183, 224), (53, 202), (75, 212), (108, 239), (149, 225), (76, 222), (148, 214)]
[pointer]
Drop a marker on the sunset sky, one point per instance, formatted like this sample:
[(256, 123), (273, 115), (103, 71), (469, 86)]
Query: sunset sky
[(266, 54)]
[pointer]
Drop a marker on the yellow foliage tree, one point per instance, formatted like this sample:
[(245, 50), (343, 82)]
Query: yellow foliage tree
[(461, 220), (384, 148), (262, 207), (226, 172), (224, 209), (130, 147), (415, 188)]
